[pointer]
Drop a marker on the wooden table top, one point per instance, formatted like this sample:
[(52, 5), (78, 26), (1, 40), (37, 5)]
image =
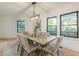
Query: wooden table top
[(42, 41)]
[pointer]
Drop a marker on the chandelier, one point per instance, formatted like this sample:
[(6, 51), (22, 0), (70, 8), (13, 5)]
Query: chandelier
[(34, 17)]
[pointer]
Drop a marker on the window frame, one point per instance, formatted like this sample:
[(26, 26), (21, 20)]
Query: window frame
[(17, 25), (56, 24), (76, 24)]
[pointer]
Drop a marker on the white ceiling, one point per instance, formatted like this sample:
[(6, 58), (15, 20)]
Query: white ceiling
[(11, 8)]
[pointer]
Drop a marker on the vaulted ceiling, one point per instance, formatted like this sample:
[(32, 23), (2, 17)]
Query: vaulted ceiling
[(13, 8)]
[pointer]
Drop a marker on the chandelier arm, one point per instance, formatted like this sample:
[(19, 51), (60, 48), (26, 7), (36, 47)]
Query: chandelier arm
[(33, 9)]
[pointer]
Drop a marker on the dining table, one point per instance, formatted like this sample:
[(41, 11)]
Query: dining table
[(42, 41)]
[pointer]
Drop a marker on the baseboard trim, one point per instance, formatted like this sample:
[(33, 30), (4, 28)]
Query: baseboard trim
[(6, 38)]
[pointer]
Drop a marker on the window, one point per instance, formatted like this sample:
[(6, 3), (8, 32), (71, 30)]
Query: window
[(51, 25), (69, 25), (20, 26)]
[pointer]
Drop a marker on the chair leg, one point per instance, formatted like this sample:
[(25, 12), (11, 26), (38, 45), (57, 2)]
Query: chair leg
[(58, 52), (18, 48), (28, 54), (22, 51), (62, 51)]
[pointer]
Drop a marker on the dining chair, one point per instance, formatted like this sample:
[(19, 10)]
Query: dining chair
[(19, 42), (28, 48), (44, 34), (53, 49), (28, 33)]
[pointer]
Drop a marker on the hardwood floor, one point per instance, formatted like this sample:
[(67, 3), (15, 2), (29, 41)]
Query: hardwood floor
[(8, 47), (69, 52)]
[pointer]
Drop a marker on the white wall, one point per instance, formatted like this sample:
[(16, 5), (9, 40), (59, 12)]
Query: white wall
[(7, 27)]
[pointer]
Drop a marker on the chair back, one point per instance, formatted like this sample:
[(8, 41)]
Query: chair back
[(44, 34), (24, 40), (18, 38), (58, 43)]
